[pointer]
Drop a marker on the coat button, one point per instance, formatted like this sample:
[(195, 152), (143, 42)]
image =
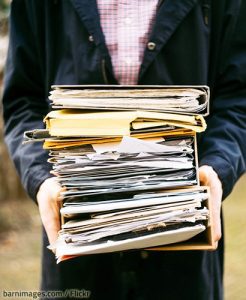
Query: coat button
[(91, 38), (151, 46)]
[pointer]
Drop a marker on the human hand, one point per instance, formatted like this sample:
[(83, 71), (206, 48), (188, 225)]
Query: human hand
[(49, 207), (209, 177)]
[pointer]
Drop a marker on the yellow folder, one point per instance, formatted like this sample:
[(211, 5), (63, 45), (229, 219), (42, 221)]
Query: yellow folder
[(72, 123)]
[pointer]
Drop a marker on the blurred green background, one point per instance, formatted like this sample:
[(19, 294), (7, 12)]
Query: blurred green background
[(20, 227)]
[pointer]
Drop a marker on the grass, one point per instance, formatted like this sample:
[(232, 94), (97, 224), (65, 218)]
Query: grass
[(21, 244), (235, 259), (20, 247)]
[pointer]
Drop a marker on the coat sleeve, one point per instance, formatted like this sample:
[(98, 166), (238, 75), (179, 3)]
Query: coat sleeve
[(24, 100), (223, 145)]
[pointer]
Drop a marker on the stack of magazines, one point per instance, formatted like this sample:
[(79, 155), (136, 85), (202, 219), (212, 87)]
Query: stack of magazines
[(127, 159)]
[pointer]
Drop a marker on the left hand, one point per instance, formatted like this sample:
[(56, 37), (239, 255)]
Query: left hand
[(49, 207), (209, 177)]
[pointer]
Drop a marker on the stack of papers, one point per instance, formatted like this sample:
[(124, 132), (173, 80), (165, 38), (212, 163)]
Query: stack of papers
[(127, 159), (182, 99), (139, 221), (127, 166)]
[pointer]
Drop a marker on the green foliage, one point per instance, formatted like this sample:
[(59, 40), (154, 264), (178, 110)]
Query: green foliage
[(4, 6), (4, 9), (4, 12)]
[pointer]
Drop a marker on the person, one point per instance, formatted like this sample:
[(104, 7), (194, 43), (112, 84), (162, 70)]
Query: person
[(142, 42)]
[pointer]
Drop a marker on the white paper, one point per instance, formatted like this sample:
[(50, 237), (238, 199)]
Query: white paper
[(157, 239)]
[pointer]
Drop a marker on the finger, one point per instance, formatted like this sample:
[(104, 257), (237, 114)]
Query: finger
[(216, 220), (49, 212), (216, 229)]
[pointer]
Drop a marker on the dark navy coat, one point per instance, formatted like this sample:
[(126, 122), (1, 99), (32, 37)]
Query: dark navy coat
[(195, 42)]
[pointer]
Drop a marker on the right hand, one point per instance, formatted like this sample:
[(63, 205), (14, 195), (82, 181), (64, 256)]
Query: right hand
[(209, 177), (49, 207)]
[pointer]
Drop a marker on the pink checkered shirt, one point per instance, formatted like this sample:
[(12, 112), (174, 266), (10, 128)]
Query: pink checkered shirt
[(126, 25)]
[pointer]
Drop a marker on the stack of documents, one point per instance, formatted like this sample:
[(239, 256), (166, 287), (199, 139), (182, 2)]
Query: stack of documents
[(127, 166), (131, 221), (182, 99), (127, 159)]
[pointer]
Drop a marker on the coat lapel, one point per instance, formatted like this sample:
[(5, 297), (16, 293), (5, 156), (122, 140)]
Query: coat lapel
[(169, 16), (89, 16)]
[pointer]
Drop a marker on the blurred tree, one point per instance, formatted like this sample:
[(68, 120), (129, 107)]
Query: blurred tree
[(4, 5), (10, 187), (4, 11)]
